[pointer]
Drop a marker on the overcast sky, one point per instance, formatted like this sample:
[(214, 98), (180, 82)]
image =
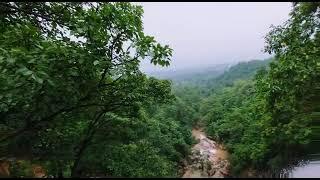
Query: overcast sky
[(208, 33)]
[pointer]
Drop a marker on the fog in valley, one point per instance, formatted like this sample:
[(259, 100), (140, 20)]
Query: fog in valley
[(210, 33)]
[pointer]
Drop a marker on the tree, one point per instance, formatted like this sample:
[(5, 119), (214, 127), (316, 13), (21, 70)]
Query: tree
[(292, 85), (65, 68), (270, 128)]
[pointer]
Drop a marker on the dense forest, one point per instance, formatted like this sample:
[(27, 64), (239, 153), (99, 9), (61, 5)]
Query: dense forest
[(74, 101), (269, 121)]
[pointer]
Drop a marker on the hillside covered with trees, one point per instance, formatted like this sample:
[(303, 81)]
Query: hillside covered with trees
[(269, 121)]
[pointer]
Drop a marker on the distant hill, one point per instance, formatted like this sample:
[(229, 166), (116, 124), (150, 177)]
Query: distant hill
[(213, 76), (242, 70), (191, 74)]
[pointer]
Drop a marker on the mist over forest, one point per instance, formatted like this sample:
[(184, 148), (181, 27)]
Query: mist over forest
[(120, 89)]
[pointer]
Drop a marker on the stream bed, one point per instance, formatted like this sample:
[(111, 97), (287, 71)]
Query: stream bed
[(207, 158)]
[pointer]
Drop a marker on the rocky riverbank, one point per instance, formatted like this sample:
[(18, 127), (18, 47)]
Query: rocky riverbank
[(207, 158)]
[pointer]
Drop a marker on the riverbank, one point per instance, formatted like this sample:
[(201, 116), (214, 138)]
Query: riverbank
[(207, 158)]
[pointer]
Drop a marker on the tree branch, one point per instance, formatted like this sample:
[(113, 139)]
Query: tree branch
[(113, 82), (84, 144), (34, 124), (30, 12), (111, 57)]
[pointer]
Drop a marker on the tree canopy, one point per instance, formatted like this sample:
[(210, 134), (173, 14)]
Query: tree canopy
[(72, 95), (73, 99), (269, 121)]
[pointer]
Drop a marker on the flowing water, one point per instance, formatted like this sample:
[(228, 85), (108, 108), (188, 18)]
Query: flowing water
[(311, 170), (309, 167), (207, 159)]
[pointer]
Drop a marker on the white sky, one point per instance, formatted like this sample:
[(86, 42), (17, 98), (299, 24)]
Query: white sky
[(208, 33)]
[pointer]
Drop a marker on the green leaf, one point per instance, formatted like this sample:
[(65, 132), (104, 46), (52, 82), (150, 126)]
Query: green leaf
[(36, 78), (80, 30), (95, 62), (74, 72), (25, 71), (11, 60), (39, 46)]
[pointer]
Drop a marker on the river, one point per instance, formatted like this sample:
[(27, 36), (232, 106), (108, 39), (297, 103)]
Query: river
[(308, 168), (210, 159), (207, 158)]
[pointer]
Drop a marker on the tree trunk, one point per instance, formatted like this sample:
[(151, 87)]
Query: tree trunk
[(60, 169), (75, 172)]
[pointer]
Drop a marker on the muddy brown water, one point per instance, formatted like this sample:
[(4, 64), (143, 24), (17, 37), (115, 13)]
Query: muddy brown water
[(213, 153)]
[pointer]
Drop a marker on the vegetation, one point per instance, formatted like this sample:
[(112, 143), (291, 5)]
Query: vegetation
[(74, 101), (73, 98), (267, 122)]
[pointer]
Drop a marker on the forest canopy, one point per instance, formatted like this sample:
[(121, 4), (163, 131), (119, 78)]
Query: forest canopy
[(74, 100)]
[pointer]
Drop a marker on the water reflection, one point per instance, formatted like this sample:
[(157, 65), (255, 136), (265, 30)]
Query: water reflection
[(310, 168)]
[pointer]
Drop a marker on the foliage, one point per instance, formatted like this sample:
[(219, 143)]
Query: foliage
[(74, 100), (266, 123), (73, 97)]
